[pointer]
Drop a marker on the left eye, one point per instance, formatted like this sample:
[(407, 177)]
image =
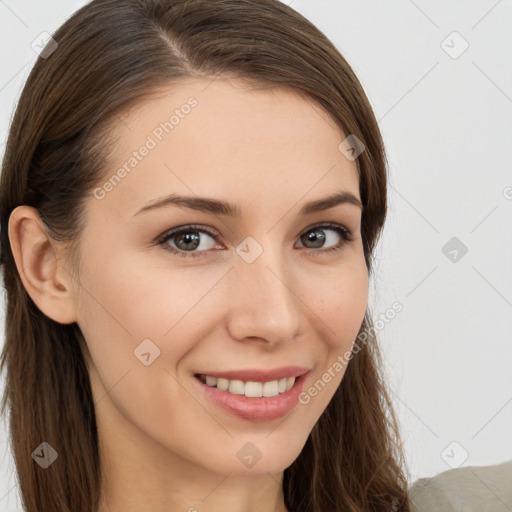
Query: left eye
[(188, 238)]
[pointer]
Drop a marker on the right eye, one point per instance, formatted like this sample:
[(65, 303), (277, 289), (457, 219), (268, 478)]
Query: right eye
[(186, 238)]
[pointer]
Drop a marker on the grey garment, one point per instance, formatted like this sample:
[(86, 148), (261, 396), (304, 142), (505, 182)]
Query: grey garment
[(466, 489)]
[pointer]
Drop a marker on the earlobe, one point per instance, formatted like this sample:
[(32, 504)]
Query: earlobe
[(39, 267)]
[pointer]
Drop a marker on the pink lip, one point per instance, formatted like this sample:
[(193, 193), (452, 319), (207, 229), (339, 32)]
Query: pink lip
[(256, 409), (256, 375)]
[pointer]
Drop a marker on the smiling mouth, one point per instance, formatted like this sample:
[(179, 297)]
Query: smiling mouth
[(251, 400), (251, 389)]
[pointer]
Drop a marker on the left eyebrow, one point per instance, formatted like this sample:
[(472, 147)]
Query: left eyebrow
[(219, 207)]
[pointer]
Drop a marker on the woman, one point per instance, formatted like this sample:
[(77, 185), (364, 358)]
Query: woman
[(190, 198)]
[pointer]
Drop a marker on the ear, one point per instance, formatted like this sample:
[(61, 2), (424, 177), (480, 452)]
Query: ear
[(41, 270)]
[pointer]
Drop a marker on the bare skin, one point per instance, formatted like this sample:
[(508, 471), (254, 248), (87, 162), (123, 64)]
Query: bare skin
[(164, 445)]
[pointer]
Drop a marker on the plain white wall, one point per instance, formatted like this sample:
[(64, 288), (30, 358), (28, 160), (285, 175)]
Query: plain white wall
[(445, 113)]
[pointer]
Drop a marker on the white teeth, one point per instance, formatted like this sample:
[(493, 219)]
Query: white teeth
[(211, 381), (254, 390), (222, 384), (270, 388), (250, 389), (236, 387)]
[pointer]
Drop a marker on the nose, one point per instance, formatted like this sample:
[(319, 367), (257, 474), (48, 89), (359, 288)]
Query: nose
[(264, 300)]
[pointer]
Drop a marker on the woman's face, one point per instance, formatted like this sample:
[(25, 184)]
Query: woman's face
[(261, 290)]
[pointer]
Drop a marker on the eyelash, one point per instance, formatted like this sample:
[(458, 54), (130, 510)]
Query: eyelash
[(345, 233)]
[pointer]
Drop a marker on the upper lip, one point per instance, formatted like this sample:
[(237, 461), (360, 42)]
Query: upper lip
[(259, 375)]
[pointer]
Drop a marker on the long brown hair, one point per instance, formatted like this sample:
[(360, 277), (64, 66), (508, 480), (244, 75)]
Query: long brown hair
[(111, 55)]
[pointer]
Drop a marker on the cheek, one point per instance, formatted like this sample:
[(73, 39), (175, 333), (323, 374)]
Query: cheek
[(126, 301), (123, 306), (343, 304), (341, 310)]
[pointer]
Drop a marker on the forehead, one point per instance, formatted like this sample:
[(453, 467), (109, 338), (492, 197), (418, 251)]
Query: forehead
[(223, 138)]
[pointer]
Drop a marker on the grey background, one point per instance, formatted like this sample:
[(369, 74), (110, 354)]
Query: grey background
[(446, 122)]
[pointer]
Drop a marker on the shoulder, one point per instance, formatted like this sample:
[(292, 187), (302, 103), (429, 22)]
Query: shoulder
[(466, 489)]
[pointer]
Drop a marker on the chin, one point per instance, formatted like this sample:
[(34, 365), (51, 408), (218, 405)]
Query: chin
[(260, 458)]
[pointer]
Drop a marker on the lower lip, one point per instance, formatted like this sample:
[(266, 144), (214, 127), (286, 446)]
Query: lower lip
[(256, 409)]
